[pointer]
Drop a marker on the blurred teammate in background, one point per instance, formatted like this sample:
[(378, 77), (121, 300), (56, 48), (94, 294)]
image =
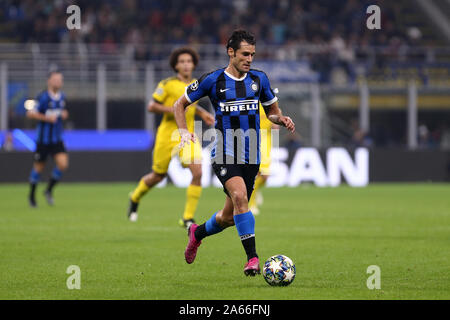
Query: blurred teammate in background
[(50, 112), (264, 169), (183, 61)]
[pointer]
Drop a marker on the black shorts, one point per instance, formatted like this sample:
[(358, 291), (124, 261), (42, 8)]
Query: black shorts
[(248, 172), (43, 150)]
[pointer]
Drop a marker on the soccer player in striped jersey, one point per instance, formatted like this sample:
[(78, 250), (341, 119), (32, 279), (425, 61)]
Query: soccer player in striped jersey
[(50, 112), (235, 93)]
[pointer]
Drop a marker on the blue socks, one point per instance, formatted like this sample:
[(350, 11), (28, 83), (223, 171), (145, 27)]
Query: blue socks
[(212, 227), (56, 174), (209, 228), (245, 225), (34, 176), (34, 180)]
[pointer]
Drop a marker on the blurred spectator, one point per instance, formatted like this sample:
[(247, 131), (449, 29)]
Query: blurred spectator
[(424, 137), (431, 138), (292, 141), (8, 144), (360, 138)]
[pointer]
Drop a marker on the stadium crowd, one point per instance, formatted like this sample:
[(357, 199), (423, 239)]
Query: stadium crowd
[(160, 21)]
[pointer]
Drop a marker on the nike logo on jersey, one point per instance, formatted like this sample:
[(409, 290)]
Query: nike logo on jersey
[(223, 90)]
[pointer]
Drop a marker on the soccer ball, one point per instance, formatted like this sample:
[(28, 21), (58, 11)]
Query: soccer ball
[(279, 270)]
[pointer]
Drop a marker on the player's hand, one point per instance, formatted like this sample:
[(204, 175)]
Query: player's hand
[(186, 137), (64, 114), (52, 118), (288, 123), (209, 119)]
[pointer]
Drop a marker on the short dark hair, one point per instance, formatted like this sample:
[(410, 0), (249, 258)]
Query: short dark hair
[(238, 36), (173, 60), (52, 72)]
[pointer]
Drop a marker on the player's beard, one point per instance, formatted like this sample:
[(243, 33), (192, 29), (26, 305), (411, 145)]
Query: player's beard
[(240, 67)]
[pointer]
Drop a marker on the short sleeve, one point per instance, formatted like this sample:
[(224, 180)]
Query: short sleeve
[(267, 96), (160, 93), (41, 103), (199, 88)]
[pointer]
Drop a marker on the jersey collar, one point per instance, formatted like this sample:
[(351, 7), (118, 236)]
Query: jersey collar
[(54, 96), (234, 78)]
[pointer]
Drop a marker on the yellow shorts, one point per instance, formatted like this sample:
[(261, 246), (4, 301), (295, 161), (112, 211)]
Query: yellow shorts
[(266, 147), (165, 149)]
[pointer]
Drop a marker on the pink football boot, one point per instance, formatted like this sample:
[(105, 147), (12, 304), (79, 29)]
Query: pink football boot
[(193, 244), (252, 267)]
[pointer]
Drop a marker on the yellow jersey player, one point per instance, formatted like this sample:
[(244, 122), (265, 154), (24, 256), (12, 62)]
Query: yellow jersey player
[(183, 61), (264, 169)]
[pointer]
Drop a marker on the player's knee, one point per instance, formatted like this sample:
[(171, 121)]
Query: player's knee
[(239, 198), (197, 175), (238, 195), (63, 166), (196, 171), (158, 176)]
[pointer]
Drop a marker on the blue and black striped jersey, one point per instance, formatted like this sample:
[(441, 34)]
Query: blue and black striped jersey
[(236, 104), (50, 133)]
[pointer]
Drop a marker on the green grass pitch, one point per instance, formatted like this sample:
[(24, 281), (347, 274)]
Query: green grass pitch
[(332, 235)]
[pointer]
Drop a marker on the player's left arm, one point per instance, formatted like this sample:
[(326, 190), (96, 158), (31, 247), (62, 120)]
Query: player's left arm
[(64, 114), (64, 111), (205, 115), (275, 115), (269, 101)]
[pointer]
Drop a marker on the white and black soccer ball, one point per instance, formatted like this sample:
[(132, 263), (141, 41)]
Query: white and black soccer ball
[(279, 270)]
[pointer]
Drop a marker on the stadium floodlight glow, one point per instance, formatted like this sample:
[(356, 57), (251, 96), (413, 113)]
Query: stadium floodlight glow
[(30, 104)]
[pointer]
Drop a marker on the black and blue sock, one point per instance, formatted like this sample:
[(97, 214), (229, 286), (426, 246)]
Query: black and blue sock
[(56, 176), (209, 228), (34, 180), (245, 225)]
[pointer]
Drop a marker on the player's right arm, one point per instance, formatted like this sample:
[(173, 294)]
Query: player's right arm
[(180, 119), (194, 92), (38, 112), (33, 114)]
